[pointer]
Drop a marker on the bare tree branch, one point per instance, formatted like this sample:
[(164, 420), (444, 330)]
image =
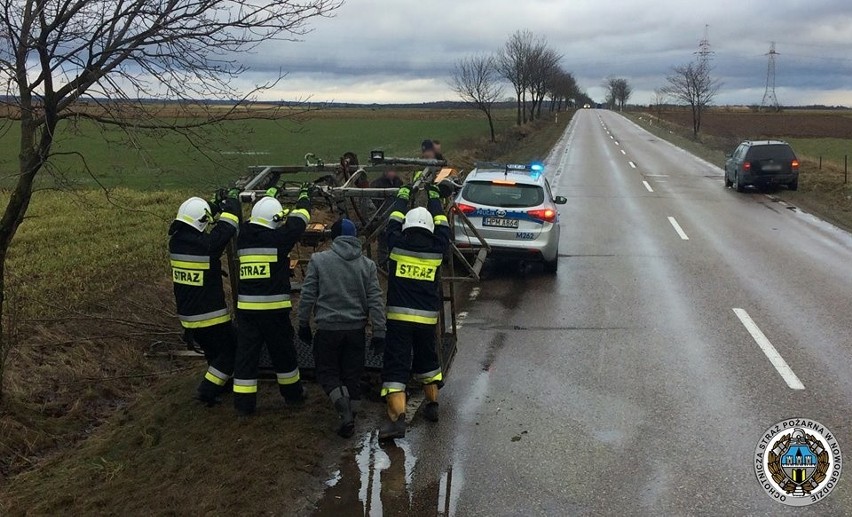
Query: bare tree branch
[(476, 80)]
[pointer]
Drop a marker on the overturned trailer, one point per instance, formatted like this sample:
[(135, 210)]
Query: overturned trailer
[(342, 190)]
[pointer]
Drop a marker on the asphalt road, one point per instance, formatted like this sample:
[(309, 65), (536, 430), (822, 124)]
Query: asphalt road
[(627, 384)]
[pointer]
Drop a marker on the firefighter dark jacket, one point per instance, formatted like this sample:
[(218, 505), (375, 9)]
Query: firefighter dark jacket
[(264, 261), (414, 294), (197, 270)]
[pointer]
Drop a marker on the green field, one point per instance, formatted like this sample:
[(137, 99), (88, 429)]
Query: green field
[(219, 154), (832, 150)]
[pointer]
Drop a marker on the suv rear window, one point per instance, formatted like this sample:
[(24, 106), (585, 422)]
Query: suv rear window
[(503, 196), (770, 152)]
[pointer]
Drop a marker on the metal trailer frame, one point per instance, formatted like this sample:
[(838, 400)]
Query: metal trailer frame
[(341, 193)]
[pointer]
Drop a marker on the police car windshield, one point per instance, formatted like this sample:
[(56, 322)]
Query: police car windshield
[(503, 195)]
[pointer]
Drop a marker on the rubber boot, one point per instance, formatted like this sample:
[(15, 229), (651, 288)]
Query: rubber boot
[(394, 426), (430, 410), (209, 394), (294, 394), (343, 406)]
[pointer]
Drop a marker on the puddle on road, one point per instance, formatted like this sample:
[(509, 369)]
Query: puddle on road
[(379, 480)]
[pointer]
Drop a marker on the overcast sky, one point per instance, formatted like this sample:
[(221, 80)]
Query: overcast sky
[(403, 50)]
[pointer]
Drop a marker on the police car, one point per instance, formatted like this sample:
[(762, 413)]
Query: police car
[(514, 210)]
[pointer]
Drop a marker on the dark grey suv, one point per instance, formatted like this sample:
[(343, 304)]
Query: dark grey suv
[(762, 163)]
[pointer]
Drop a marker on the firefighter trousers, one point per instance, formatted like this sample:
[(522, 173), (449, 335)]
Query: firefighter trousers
[(219, 343), (339, 359), (256, 329), (410, 348)]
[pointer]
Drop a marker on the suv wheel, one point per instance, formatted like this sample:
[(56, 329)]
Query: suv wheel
[(794, 185), (737, 185), (728, 183)]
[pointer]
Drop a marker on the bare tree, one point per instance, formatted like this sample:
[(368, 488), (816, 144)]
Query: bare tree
[(618, 91), (659, 101), (693, 84), (476, 80), (512, 64), (543, 68), (95, 58), (563, 90)]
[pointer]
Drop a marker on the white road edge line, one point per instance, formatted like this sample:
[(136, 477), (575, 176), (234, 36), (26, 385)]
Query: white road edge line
[(771, 353), (678, 229), (633, 165), (648, 186)]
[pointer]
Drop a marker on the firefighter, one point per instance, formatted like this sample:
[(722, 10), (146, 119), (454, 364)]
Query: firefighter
[(195, 257), (417, 241), (263, 300), (341, 290)]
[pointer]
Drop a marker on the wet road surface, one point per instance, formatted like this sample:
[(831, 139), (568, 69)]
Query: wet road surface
[(628, 384)]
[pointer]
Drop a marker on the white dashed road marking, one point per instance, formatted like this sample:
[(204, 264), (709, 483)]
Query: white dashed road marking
[(648, 186), (633, 165), (678, 229), (771, 353)]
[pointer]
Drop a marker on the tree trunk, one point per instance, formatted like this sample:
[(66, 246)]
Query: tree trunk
[(519, 109), (524, 105), (491, 125)]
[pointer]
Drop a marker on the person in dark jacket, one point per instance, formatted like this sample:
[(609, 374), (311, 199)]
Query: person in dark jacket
[(341, 290), (436, 145), (417, 241), (263, 300), (195, 258)]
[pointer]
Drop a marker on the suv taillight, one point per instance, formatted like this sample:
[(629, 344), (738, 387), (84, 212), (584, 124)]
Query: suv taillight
[(795, 165), (465, 209), (746, 166), (548, 215)]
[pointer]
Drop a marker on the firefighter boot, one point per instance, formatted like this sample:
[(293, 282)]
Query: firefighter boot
[(343, 405), (294, 394), (430, 410), (394, 426)]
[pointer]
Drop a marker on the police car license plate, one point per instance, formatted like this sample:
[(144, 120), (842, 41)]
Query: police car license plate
[(500, 222)]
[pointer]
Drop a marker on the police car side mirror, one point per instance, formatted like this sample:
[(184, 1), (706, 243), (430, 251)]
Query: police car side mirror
[(559, 200)]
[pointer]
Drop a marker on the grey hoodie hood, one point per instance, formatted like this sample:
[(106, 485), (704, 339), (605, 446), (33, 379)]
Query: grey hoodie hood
[(347, 247)]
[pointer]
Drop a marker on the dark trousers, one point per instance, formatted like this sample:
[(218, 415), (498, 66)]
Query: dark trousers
[(272, 329), (339, 360), (409, 348), (219, 343)]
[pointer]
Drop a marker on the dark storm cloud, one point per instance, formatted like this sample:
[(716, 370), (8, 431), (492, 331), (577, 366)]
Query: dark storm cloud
[(413, 44)]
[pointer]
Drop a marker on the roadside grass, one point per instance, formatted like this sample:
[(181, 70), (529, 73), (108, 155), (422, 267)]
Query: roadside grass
[(821, 191), (88, 276), (166, 455), (166, 160)]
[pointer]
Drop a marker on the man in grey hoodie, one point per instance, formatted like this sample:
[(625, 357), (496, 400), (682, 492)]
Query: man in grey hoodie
[(341, 289)]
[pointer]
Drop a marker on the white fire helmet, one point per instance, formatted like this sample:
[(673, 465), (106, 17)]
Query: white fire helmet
[(267, 212), (419, 217), (195, 212)]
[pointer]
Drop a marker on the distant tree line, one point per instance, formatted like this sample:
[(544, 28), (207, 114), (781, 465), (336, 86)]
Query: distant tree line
[(533, 70)]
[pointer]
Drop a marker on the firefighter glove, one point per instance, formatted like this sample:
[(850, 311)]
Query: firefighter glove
[(404, 193), (272, 192), (434, 192), (305, 191), (234, 193)]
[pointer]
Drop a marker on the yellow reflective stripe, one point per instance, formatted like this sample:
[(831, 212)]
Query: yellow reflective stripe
[(392, 387), (399, 216), (411, 318), (181, 264), (441, 219), (430, 378), (288, 378), (215, 380), (245, 389), (417, 261), (261, 306), (206, 323), (258, 258), (229, 217)]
